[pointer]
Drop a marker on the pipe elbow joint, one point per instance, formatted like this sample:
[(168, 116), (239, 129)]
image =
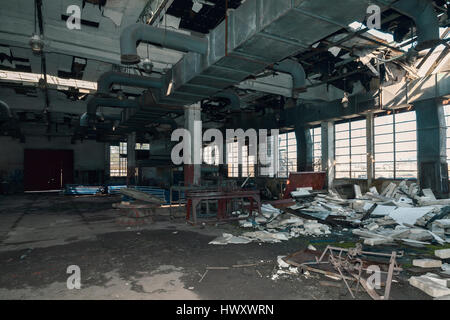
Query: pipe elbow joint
[(425, 19), (128, 44)]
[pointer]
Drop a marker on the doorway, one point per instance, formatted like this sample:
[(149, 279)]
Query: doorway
[(47, 169)]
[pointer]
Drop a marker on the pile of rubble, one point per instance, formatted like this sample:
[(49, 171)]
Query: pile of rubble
[(272, 226), (398, 214)]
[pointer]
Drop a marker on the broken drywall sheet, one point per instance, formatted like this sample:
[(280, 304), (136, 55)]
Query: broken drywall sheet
[(409, 215)]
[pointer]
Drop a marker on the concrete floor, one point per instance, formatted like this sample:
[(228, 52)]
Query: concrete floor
[(42, 234)]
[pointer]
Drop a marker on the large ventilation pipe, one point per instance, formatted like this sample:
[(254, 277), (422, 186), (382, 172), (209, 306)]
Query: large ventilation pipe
[(5, 110), (84, 119), (96, 102), (295, 69), (170, 122), (425, 18), (235, 100), (165, 38), (107, 79)]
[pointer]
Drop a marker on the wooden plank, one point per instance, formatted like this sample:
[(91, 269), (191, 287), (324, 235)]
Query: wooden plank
[(139, 195)]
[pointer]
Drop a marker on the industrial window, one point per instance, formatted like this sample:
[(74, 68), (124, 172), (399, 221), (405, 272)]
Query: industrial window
[(395, 146), (118, 160), (248, 162), (287, 159), (211, 155), (316, 136), (266, 168), (447, 123), (351, 149), (142, 146), (232, 159)]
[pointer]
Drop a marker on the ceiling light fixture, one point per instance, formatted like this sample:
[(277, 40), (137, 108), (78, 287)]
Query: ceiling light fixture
[(345, 100), (36, 43), (147, 65)]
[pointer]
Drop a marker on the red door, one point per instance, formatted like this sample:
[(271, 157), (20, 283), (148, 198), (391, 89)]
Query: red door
[(47, 169)]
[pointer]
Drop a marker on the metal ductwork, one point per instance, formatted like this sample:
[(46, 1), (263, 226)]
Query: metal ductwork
[(253, 38), (84, 118), (161, 148), (134, 33), (235, 100), (96, 102), (148, 112), (5, 111), (257, 35), (425, 18), (170, 122), (295, 69), (107, 79)]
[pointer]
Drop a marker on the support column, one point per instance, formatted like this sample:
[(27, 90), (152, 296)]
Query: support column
[(370, 149), (431, 146), (193, 118), (107, 167), (304, 149), (131, 159), (328, 157)]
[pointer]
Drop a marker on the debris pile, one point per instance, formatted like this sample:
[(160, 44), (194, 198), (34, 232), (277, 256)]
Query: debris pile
[(399, 214), (273, 226)]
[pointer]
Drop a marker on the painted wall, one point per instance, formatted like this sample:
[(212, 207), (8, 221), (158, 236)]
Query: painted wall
[(88, 155)]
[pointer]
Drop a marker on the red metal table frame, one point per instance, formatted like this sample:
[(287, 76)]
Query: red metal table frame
[(223, 197)]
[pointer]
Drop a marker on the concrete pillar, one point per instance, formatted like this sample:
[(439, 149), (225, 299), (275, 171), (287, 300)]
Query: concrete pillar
[(370, 149), (107, 171), (193, 117), (431, 146), (304, 149), (328, 157), (131, 159)]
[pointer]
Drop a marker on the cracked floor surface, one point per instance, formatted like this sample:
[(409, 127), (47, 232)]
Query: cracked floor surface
[(41, 235)]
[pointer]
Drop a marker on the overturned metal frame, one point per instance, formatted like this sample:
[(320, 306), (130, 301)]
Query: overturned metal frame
[(352, 262)]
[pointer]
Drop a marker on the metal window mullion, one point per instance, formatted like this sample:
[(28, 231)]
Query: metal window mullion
[(395, 145)]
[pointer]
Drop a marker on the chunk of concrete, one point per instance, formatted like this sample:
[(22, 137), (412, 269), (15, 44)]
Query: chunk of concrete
[(376, 241), (419, 235), (442, 253), (373, 226), (435, 278), (443, 223), (429, 286), (427, 263)]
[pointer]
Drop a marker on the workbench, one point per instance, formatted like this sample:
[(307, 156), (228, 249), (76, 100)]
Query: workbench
[(224, 199)]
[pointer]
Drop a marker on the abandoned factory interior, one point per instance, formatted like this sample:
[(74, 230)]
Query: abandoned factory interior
[(224, 150)]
